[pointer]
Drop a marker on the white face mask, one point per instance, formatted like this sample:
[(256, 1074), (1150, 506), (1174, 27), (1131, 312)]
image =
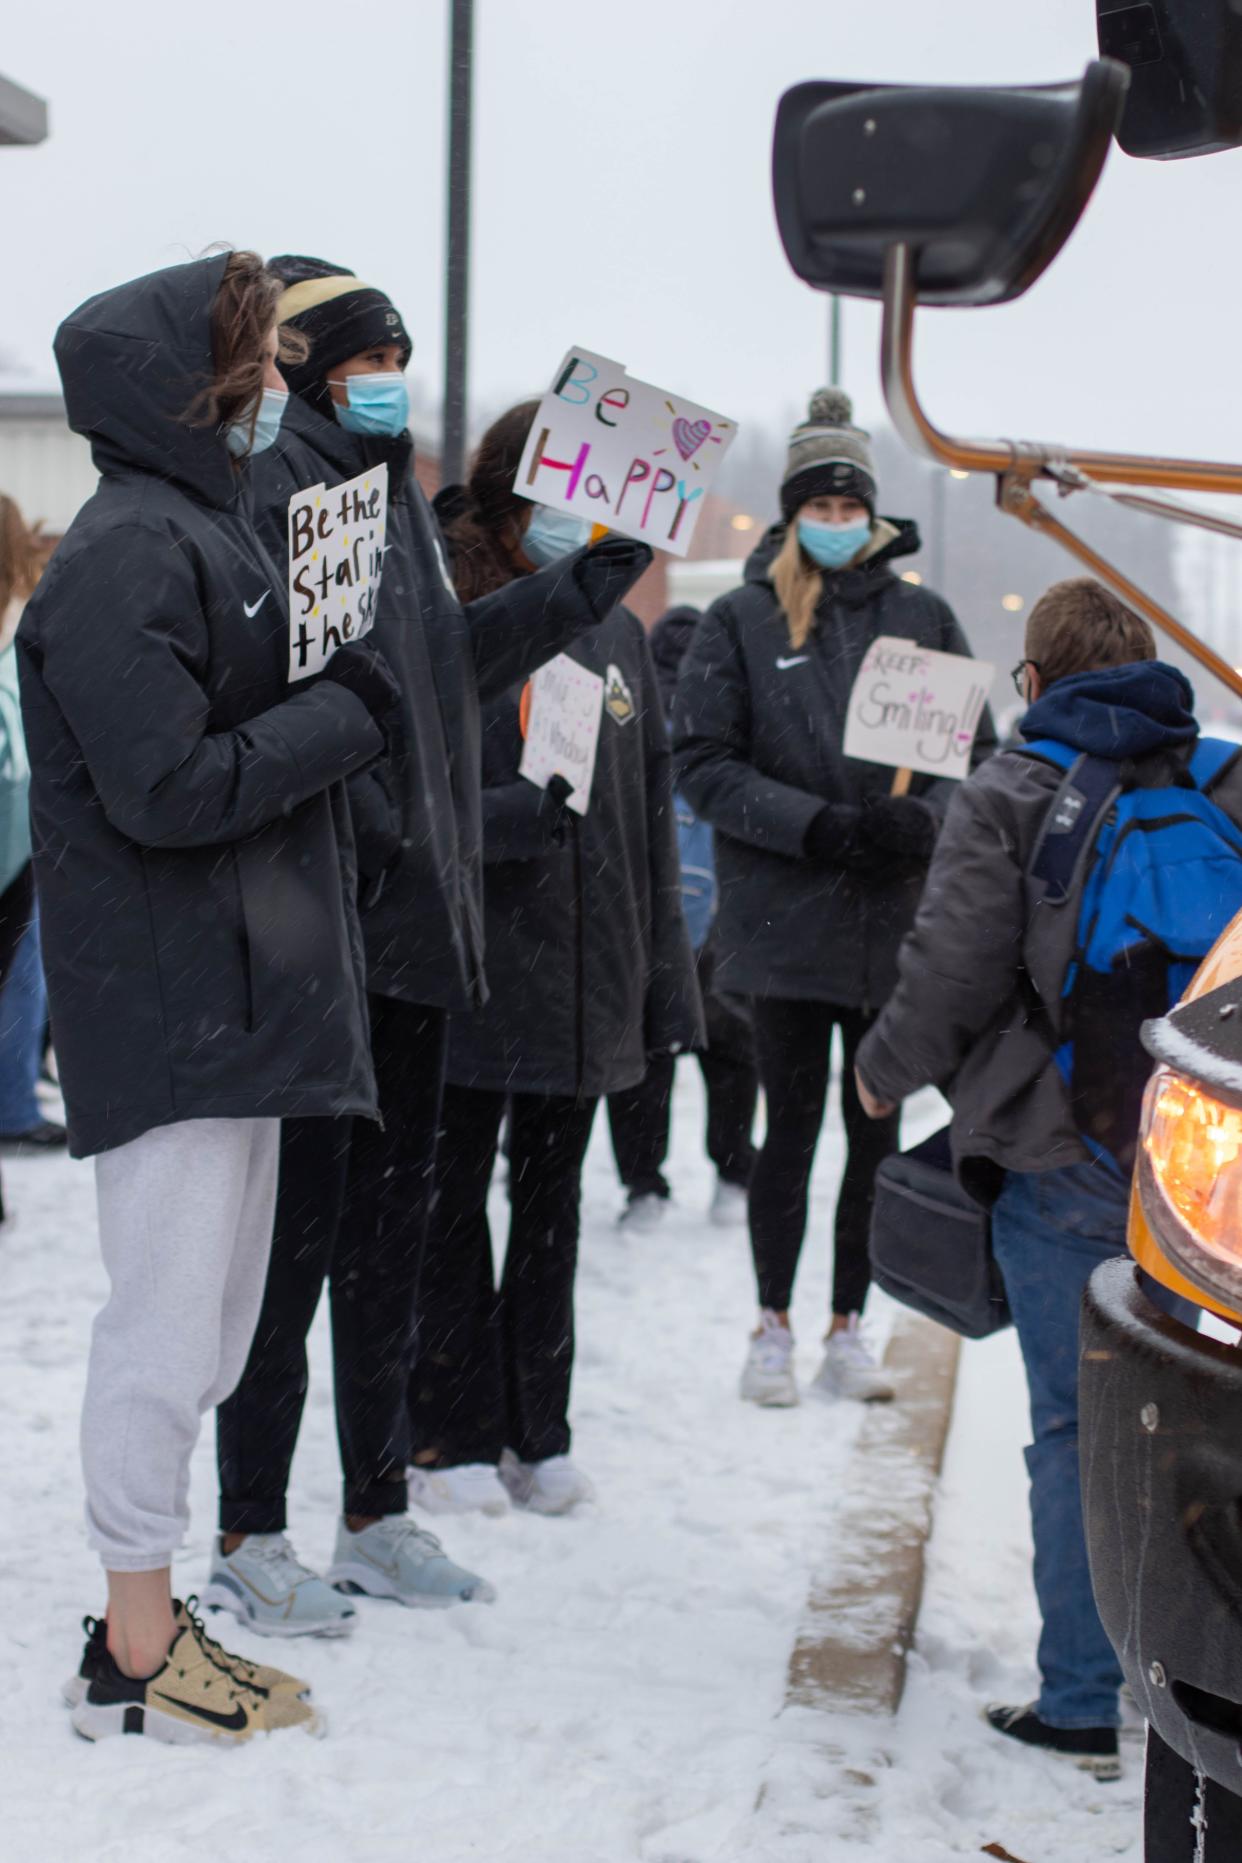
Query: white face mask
[(553, 534), (238, 439)]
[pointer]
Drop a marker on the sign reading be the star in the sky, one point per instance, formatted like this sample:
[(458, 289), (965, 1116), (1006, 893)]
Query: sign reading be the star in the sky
[(336, 559)]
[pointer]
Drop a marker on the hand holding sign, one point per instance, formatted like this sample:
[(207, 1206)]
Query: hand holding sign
[(622, 453), (336, 559), (916, 709), (562, 728)]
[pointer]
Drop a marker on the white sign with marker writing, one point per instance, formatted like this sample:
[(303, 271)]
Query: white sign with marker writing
[(623, 453), (336, 558), (562, 729), (916, 709)]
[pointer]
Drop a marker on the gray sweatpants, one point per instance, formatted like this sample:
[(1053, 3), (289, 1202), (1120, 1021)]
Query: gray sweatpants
[(185, 1226)]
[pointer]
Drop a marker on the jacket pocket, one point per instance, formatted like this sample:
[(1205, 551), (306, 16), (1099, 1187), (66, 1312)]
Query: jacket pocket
[(202, 945)]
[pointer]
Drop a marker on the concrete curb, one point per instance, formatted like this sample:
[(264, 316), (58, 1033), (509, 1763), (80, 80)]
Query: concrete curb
[(861, 1614)]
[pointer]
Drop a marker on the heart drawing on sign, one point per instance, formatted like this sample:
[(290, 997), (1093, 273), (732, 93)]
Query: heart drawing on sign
[(689, 435)]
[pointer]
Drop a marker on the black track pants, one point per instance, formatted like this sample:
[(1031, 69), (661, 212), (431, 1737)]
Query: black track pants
[(638, 1119), (793, 1042), (352, 1207), (494, 1365)]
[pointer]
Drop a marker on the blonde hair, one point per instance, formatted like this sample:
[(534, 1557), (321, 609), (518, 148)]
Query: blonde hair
[(799, 586)]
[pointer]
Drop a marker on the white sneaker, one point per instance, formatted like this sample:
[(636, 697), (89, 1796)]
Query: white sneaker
[(850, 1370), (553, 1486), (264, 1585), (394, 1558), (768, 1375), (729, 1206), (644, 1212), (470, 1488)]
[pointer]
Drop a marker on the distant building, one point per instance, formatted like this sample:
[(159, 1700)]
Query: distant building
[(43, 466)]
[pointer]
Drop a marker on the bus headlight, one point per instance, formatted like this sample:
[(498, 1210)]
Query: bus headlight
[(1190, 1183)]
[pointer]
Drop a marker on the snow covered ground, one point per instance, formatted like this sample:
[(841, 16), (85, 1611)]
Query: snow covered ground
[(621, 1703)]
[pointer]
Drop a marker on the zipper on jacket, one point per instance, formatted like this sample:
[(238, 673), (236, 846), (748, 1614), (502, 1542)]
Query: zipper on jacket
[(243, 946), (579, 966)]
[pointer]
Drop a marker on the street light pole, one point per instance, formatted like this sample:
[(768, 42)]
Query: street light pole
[(457, 242), (834, 341)]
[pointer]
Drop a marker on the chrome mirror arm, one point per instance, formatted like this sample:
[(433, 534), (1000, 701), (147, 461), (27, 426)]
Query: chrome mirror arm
[(1017, 465), (922, 436)]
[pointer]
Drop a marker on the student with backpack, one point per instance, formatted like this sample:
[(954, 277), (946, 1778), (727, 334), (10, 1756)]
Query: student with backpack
[(1077, 882)]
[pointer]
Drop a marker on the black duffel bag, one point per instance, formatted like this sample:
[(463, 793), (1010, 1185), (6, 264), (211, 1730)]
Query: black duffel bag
[(931, 1244)]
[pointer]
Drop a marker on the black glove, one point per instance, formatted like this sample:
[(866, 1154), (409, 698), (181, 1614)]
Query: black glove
[(902, 826), (833, 836), (361, 668), (608, 571), (553, 810)]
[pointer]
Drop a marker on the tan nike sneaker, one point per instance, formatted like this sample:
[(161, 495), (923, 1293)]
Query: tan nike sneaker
[(257, 1675), (191, 1698)]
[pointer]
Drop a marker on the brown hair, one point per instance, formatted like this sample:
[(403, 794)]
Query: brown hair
[(487, 527), (23, 554), (241, 317), (799, 586), (1078, 625)]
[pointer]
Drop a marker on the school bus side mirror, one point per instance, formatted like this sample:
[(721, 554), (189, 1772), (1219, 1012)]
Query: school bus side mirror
[(1185, 61), (984, 186)]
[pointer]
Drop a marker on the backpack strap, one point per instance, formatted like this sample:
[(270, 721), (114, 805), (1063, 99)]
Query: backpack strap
[(1209, 761), (1084, 796)]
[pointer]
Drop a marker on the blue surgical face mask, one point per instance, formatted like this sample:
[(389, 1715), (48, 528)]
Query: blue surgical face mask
[(378, 404), (272, 407), (553, 534), (832, 545)]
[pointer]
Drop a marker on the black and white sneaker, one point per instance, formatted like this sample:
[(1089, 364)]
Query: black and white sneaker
[(191, 1697), (1093, 1749), (96, 1649), (253, 1675)]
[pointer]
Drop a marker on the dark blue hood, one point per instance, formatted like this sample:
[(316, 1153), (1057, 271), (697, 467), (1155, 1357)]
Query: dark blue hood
[(1120, 711)]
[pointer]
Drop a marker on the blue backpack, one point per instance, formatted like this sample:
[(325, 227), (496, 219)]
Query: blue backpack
[(1157, 877)]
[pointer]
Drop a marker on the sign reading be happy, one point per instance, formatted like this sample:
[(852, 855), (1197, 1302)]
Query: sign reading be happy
[(623, 453)]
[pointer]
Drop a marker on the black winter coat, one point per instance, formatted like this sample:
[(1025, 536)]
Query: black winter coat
[(191, 835), (588, 957), (758, 731), (417, 813)]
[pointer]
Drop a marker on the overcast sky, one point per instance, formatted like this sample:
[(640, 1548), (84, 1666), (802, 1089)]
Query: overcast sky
[(622, 196)]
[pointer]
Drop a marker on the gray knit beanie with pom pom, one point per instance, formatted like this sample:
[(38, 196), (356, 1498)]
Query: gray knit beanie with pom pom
[(828, 456)]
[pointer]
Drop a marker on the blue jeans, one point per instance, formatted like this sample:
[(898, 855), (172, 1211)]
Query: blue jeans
[(1050, 1231), (23, 1017)]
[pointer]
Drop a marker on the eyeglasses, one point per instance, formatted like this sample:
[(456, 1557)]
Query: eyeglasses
[(1018, 673)]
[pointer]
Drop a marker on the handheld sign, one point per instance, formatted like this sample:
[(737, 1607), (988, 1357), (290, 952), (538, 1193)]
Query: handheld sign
[(622, 453), (336, 559), (916, 709), (562, 728)]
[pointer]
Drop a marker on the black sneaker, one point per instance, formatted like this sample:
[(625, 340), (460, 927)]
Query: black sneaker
[(1093, 1749), (92, 1656)]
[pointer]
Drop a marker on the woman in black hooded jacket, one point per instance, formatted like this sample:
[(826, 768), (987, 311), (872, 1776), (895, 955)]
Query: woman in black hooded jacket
[(204, 962), (590, 972), (819, 866)]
